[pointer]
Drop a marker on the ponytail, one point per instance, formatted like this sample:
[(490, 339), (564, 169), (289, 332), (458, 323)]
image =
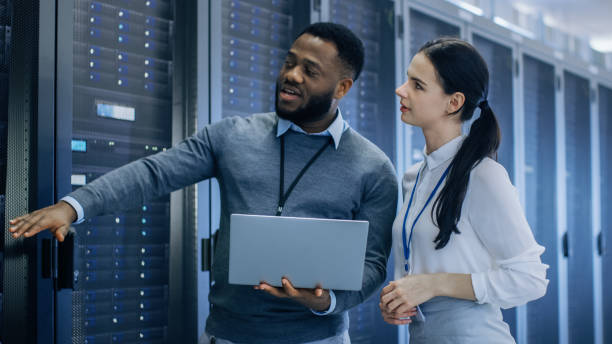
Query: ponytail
[(460, 68), (482, 141)]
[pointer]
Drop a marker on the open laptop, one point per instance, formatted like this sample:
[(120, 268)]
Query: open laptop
[(310, 252)]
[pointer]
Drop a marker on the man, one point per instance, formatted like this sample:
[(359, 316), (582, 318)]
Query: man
[(345, 177)]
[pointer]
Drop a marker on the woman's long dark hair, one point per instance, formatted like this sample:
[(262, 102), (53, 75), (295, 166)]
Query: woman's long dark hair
[(460, 68)]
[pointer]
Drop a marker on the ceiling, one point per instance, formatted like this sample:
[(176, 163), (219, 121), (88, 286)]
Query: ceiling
[(590, 19)]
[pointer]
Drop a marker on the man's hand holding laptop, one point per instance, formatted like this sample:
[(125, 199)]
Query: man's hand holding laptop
[(317, 299)]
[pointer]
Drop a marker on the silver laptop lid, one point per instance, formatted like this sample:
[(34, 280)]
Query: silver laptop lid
[(308, 251)]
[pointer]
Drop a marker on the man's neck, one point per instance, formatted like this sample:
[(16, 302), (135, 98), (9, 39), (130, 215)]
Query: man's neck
[(320, 125)]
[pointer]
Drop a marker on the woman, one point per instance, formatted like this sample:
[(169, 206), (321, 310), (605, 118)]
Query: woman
[(462, 245)]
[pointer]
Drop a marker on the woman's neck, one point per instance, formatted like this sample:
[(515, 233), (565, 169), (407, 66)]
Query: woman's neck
[(438, 137)]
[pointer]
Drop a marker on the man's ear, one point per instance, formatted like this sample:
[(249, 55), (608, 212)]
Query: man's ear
[(342, 88), (455, 102)]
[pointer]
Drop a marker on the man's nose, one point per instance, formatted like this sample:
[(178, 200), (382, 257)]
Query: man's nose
[(295, 75)]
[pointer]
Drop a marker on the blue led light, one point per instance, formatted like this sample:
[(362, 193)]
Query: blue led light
[(116, 111), (79, 145)]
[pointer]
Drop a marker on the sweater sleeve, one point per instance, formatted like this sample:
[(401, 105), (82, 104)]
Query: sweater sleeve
[(518, 275), (131, 185), (378, 207)]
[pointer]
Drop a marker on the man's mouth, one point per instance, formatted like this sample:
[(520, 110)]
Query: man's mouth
[(289, 93)]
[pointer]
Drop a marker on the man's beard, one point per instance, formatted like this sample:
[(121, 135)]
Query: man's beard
[(316, 108)]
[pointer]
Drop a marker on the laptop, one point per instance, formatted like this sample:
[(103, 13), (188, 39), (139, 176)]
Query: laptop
[(310, 252)]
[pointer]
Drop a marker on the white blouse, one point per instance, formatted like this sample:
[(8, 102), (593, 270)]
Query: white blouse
[(496, 245)]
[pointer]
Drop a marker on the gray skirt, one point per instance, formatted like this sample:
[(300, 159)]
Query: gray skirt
[(449, 320)]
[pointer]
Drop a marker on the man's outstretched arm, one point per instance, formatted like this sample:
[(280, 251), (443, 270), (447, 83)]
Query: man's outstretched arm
[(188, 162)]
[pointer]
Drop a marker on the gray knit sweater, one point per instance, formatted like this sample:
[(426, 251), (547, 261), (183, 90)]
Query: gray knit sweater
[(356, 181)]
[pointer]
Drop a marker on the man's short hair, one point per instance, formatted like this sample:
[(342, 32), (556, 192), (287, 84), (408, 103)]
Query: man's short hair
[(349, 46)]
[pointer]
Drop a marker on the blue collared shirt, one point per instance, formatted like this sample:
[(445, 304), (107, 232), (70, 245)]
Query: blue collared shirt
[(335, 130)]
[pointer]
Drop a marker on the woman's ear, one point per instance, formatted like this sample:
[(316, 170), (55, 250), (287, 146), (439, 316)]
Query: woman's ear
[(455, 102), (342, 88)]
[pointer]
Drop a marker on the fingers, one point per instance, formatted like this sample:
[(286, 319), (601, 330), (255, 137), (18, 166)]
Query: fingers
[(289, 289), (395, 321), (61, 232), (409, 313), (54, 218), (393, 306), (394, 318), (28, 223), (278, 292), (389, 288), (18, 219), (405, 309), (388, 297)]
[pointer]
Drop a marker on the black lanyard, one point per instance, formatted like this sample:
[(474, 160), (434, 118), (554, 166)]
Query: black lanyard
[(282, 197)]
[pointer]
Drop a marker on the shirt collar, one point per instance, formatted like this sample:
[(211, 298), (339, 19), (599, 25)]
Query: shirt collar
[(335, 130), (444, 153)]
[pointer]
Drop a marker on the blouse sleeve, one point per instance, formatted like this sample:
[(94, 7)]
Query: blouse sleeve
[(494, 211)]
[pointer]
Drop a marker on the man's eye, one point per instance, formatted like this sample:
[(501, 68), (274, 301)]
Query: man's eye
[(418, 86)]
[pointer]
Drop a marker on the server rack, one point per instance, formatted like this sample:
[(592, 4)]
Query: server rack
[(501, 74), (26, 283), (604, 243), (256, 36), (577, 242), (369, 109), (132, 271), (122, 101), (540, 189), (5, 39)]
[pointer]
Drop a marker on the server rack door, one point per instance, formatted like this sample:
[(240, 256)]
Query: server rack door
[(424, 28), (368, 108), (500, 97), (121, 91), (578, 239), (27, 289), (5, 39), (540, 189), (604, 242)]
